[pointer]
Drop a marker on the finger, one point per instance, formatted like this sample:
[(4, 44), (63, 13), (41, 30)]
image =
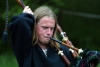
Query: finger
[(25, 9)]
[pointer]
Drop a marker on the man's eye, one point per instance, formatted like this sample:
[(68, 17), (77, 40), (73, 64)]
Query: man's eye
[(52, 28), (44, 27)]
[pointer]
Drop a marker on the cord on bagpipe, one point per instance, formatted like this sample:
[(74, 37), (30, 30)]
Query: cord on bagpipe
[(5, 32)]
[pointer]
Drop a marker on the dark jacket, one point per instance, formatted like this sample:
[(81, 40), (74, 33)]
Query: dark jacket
[(28, 55)]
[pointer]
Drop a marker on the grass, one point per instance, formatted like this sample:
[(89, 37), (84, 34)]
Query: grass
[(7, 59), (98, 65)]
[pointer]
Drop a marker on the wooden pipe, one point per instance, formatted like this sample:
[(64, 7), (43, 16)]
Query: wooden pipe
[(66, 40), (74, 48), (20, 2)]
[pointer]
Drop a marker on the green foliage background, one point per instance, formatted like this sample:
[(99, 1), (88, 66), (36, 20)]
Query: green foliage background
[(83, 32)]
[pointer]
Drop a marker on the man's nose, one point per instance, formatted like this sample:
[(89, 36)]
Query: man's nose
[(49, 31)]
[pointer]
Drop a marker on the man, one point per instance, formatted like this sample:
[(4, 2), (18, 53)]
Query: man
[(30, 38)]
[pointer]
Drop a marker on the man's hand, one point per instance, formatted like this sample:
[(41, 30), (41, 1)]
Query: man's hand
[(28, 10)]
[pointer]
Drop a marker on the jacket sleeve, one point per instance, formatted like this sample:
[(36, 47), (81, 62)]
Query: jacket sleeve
[(21, 34)]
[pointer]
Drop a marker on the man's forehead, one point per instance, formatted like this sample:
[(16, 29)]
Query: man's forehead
[(46, 21)]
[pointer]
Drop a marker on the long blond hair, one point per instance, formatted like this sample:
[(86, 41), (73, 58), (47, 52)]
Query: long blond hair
[(38, 14)]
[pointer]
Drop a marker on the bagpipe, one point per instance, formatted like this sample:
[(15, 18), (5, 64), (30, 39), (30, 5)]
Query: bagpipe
[(81, 58)]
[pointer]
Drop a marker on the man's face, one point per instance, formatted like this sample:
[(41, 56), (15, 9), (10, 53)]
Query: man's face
[(44, 29)]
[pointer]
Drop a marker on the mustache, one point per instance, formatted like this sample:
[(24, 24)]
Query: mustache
[(48, 36)]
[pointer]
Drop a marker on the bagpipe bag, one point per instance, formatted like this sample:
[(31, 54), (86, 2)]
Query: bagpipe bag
[(88, 58)]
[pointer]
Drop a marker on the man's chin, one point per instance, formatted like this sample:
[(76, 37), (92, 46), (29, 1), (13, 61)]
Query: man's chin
[(46, 42)]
